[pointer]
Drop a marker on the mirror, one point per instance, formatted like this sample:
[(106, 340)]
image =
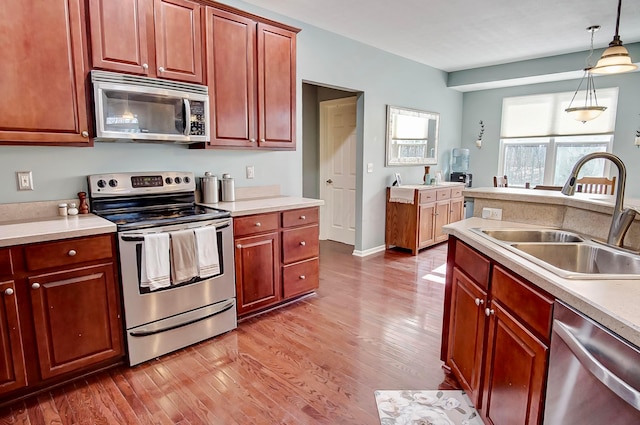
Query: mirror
[(412, 136)]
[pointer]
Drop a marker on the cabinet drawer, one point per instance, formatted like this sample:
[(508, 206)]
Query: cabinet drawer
[(300, 244), (427, 196), (6, 266), (534, 308), (68, 252), (474, 264), (300, 217), (456, 192), (252, 224), (300, 277), (443, 194)]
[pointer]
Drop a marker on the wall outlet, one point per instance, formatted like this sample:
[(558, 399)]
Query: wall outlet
[(25, 180), (251, 172), (492, 213)]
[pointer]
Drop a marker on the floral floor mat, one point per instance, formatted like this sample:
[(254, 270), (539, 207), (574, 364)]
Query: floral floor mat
[(425, 408)]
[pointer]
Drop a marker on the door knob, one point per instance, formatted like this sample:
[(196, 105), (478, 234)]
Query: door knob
[(329, 181)]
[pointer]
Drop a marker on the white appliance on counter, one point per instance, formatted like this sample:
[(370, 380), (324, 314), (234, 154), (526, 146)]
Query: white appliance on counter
[(170, 317)]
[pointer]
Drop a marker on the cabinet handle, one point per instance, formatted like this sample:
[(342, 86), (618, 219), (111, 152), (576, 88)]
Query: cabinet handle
[(238, 246), (252, 140), (9, 291), (161, 69), (302, 217), (479, 302), (303, 277), (489, 312), (303, 243), (85, 133), (35, 285), (262, 140), (258, 224), (72, 253), (145, 66)]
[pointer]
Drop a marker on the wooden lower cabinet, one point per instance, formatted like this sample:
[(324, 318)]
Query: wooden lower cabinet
[(496, 339), (277, 258), (12, 364)]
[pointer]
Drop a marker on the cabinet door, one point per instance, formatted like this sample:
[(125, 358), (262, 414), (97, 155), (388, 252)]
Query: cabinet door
[(12, 366), (178, 40), (43, 73), (426, 234), (276, 87), (441, 218), (466, 333), (515, 371), (76, 318), (456, 210), (119, 38), (231, 41), (257, 272)]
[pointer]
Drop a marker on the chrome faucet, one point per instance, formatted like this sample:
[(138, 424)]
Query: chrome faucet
[(622, 217)]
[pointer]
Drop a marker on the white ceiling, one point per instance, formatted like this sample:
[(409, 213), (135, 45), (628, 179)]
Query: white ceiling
[(460, 34)]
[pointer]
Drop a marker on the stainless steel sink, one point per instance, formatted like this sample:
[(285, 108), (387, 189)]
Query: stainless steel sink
[(587, 258), (532, 235)]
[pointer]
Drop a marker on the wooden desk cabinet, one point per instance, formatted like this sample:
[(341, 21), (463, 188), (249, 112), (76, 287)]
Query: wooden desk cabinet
[(419, 225)]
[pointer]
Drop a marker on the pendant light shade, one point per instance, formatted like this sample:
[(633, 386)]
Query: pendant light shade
[(615, 59)]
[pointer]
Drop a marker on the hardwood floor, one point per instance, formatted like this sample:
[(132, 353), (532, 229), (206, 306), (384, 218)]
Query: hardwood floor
[(374, 324)]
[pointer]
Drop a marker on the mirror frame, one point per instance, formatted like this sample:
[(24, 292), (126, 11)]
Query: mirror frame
[(430, 148)]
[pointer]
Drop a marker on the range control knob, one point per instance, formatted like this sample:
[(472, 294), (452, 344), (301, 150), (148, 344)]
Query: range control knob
[(187, 179), (178, 180), (168, 180), (101, 183), (113, 183)]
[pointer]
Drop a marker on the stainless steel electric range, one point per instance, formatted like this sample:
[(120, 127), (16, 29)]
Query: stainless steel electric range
[(161, 229)]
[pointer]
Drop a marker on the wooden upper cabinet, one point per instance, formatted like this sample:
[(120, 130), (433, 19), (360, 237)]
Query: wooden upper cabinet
[(155, 38), (42, 84), (251, 72)]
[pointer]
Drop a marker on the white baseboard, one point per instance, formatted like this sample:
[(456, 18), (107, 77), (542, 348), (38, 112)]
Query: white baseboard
[(369, 251)]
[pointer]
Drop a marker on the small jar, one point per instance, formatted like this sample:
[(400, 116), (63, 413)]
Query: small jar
[(73, 210), (62, 209)]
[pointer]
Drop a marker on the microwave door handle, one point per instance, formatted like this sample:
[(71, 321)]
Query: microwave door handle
[(187, 116)]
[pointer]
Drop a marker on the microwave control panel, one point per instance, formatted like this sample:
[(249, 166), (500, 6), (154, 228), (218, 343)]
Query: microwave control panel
[(198, 124)]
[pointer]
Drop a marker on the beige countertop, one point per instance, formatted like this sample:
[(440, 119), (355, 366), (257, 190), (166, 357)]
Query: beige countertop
[(265, 205), (613, 303), (18, 232)]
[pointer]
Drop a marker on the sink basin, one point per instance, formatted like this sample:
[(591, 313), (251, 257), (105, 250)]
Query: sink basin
[(532, 235), (584, 258)]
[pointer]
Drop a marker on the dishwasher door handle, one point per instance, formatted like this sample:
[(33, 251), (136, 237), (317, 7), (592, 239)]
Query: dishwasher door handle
[(597, 369)]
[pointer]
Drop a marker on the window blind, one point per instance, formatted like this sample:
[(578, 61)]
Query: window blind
[(544, 115)]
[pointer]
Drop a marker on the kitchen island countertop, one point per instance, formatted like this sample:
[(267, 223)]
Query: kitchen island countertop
[(613, 303), (265, 205)]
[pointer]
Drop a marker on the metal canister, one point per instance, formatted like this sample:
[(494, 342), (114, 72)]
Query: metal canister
[(228, 189), (209, 188)]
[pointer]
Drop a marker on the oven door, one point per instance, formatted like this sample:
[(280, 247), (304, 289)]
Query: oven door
[(142, 306)]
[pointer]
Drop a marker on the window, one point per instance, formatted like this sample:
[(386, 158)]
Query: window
[(540, 143)]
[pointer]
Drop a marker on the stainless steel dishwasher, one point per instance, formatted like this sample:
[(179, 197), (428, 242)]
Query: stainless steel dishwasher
[(594, 375)]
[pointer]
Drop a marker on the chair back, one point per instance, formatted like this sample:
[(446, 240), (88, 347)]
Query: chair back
[(500, 181), (601, 185)]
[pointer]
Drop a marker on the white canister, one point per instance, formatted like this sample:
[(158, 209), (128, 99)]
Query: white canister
[(209, 188), (228, 189)]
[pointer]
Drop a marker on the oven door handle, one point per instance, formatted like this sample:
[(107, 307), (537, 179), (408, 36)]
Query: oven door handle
[(597, 369), (126, 238), (152, 330)]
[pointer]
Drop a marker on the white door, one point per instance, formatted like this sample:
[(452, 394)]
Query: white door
[(338, 169)]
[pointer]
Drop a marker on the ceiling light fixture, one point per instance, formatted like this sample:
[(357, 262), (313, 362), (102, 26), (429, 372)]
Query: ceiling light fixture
[(615, 59), (590, 110)]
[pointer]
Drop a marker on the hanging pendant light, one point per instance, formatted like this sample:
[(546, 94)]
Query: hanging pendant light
[(615, 59), (590, 110)]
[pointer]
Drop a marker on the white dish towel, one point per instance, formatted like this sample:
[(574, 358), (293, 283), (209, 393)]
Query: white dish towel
[(183, 256), (207, 248), (155, 269), (403, 195)]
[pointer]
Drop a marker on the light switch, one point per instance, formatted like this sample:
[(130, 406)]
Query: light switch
[(370, 167)]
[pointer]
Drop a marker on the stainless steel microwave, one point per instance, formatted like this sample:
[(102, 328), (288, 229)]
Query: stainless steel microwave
[(131, 108)]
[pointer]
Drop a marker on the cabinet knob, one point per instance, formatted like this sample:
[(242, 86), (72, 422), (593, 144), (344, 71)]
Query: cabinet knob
[(258, 224), (489, 312), (72, 253), (303, 217), (85, 133), (479, 301), (238, 246), (252, 140), (145, 66), (35, 285), (303, 243), (9, 291), (161, 69), (262, 140), (302, 277)]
